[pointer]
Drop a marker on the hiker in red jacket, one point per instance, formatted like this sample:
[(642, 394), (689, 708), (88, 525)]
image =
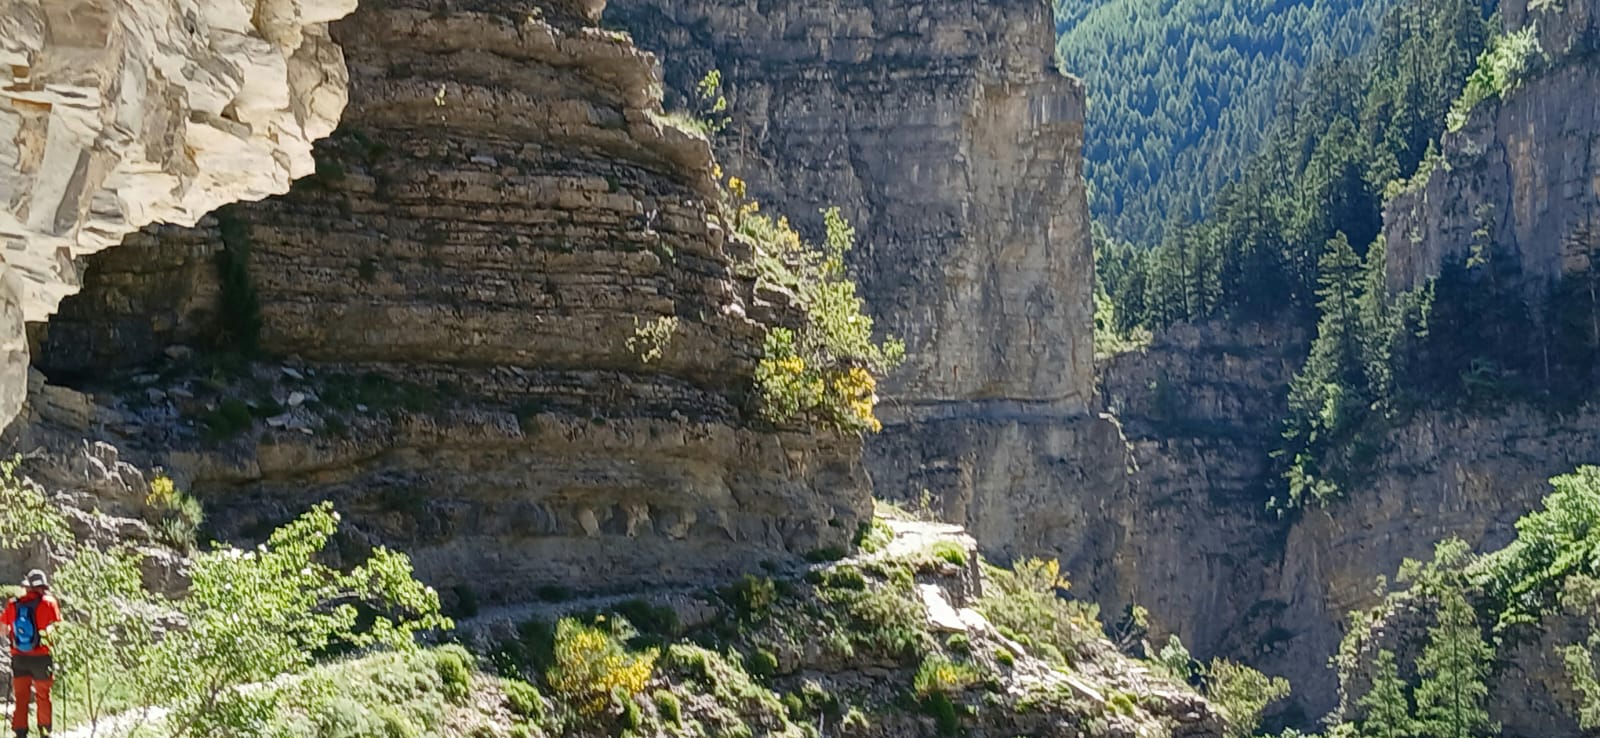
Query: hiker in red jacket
[(27, 620)]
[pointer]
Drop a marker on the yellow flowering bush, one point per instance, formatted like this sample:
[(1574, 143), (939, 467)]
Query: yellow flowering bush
[(591, 665), (826, 371)]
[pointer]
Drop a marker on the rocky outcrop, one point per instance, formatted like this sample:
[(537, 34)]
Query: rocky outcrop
[(116, 115), (1525, 169), (514, 340), (947, 137)]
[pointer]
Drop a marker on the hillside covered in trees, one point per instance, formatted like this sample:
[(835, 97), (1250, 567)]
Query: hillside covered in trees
[(1298, 239), (1180, 93)]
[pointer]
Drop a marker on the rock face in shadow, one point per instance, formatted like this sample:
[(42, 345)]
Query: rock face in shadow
[(460, 303), (115, 115)]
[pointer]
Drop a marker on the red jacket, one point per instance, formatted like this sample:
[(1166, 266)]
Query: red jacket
[(44, 616)]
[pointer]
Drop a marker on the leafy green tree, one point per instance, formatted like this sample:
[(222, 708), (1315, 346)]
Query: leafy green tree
[(1388, 712), (1243, 694), (1454, 667), (247, 617), (1525, 578), (1582, 595)]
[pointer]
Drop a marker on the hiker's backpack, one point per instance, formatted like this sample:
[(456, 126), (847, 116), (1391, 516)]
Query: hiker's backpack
[(25, 632)]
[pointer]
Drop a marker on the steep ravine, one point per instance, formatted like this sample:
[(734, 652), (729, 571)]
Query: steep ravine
[(1196, 546)]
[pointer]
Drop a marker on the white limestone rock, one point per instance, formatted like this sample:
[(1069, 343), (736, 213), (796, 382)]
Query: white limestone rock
[(120, 114)]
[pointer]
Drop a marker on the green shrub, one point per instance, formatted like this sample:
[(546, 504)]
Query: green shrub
[(1500, 67), (176, 516), (826, 554), (668, 705), (795, 706), (523, 699), (592, 668), (763, 663), (950, 552), (632, 714), (752, 598), (1024, 605), (838, 577), (1005, 657), (229, 419), (454, 665), (654, 622), (943, 711), (940, 675)]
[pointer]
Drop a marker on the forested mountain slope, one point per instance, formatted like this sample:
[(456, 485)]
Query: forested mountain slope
[(1382, 338), (1181, 92)]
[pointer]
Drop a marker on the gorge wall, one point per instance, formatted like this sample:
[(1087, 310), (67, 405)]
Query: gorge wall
[(1202, 409), (115, 115), (456, 308), (1195, 544), (945, 133), (946, 136)]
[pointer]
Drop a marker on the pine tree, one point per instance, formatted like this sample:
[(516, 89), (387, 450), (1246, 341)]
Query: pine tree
[(1388, 711), (1450, 699)]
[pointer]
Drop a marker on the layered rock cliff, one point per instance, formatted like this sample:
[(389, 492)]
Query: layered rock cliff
[(115, 115), (513, 339), (945, 134)]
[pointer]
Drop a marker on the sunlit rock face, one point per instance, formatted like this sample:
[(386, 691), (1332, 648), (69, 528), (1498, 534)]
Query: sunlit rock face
[(119, 114)]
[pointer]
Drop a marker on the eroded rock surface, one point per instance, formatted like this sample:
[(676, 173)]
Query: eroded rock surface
[(459, 300), (116, 114)]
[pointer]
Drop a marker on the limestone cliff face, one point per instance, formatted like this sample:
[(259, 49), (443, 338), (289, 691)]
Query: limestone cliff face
[(947, 137), (1184, 531), (945, 134), (115, 115), (1525, 167), (463, 298)]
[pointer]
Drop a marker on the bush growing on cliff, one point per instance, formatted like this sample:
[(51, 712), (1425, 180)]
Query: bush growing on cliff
[(826, 371), (1025, 604), (593, 670), (1243, 694), (1500, 67)]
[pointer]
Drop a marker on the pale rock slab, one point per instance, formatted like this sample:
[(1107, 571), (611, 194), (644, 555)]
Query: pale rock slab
[(118, 114)]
